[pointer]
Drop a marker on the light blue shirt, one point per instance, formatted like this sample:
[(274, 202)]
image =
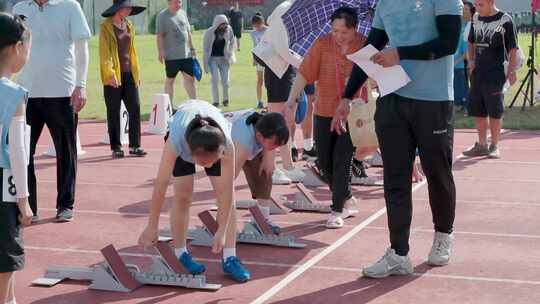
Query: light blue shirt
[(412, 22), (11, 96), (245, 135), (183, 117), (50, 71)]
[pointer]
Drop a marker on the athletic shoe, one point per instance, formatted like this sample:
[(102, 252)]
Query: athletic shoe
[(35, 218), (234, 268), (309, 154), (441, 250), (279, 178), (64, 216), (260, 105), (358, 169), (118, 154), (138, 152), (266, 213), (295, 175), (226, 103), (186, 259), (216, 104), (336, 219), (477, 150), (389, 264), (294, 154), (494, 152)]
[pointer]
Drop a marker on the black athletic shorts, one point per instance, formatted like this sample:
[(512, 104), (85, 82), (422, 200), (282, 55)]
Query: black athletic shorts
[(11, 241), (485, 99), (278, 89), (184, 168), (173, 67)]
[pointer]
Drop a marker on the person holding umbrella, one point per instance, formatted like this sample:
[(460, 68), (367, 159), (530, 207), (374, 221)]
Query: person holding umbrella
[(326, 64), (423, 37), (120, 74)]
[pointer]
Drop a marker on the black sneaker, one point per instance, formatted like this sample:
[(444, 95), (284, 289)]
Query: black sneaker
[(64, 216), (216, 104), (138, 152), (117, 154), (226, 103), (309, 154), (358, 169), (294, 154)]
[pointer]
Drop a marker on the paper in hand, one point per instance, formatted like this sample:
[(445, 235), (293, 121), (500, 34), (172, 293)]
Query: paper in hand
[(389, 79)]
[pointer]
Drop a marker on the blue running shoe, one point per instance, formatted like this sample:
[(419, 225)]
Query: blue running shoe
[(190, 265), (234, 268), (260, 105)]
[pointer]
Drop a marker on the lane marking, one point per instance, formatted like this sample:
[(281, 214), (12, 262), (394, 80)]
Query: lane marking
[(296, 266)]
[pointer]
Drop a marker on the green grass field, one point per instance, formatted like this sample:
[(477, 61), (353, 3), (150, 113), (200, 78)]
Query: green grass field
[(243, 79)]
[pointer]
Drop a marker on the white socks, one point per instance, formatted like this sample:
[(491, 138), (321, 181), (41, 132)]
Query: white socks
[(13, 301), (308, 144), (228, 252), (180, 251)]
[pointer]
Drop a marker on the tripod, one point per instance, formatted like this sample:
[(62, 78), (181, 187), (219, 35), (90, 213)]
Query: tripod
[(528, 93)]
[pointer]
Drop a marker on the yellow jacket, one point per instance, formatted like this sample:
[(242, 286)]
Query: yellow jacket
[(108, 53)]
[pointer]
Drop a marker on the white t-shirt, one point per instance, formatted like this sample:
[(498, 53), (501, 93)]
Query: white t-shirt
[(50, 70)]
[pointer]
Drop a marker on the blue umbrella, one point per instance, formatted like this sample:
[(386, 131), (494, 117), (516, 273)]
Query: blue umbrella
[(307, 20)]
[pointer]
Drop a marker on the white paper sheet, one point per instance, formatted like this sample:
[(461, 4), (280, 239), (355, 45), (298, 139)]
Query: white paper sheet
[(389, 79), (266, 52)]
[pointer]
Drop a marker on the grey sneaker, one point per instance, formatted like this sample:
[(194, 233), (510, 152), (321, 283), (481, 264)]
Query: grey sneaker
[(64, 216), (441, 250), (476, 150), (389, 264), (494, 151)]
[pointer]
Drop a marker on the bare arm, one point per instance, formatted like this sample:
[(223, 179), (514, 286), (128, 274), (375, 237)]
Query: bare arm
[(241, 156), (298, 86), (160, 46)]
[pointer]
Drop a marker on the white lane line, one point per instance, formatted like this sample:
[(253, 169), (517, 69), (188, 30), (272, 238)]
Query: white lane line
[(504, 180), (296, 266), (495, 234)]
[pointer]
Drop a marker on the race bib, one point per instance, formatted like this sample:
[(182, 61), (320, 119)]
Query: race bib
[(9, 191)]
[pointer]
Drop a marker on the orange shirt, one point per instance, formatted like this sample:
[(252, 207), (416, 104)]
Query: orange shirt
[(319, 66)]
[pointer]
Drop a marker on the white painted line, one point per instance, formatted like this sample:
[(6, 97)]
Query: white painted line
[(296, 266), (458, 232), (310, 263)]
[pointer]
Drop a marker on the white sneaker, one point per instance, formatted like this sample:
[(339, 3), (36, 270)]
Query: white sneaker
[(295, 175), (389, 264), (351, 206), (279, 178), (336, 219), (441, 250)]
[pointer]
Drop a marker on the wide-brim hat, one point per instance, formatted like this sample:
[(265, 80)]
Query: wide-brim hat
[(119, 4)]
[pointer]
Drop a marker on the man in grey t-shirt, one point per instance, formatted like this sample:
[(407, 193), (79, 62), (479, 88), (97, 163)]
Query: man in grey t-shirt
[(176, 47)]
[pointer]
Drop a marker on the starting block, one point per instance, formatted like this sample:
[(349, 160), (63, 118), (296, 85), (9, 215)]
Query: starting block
[(305, 201), (367, 181), (257, 232), (114, 275), (313, 177), (275, 207)]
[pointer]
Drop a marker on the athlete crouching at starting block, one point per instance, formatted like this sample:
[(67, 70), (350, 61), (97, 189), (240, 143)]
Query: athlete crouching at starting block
[(255, 138), (198, 134)]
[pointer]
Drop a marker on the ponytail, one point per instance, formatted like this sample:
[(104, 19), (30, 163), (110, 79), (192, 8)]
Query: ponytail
[(270, 125), (204, 134)]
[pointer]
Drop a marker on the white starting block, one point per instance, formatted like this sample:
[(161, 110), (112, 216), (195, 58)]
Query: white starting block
[(257, 232), (124, 127), (307, 202), (275, 207), (114, 275), (160, 114), (51, 151), (313, 177)]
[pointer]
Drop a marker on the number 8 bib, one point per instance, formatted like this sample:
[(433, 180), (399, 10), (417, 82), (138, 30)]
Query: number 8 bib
[(9, 191)]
